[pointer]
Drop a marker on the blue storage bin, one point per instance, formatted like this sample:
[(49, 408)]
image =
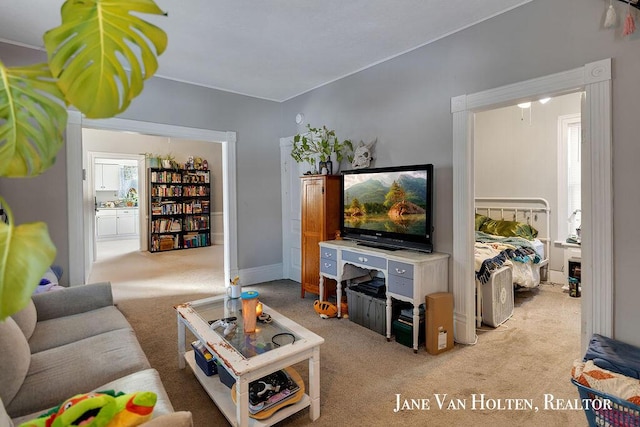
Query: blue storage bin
[(612, 412), (225, 376), (204, 359)]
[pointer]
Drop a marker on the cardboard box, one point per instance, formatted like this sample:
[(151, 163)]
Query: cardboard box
[(439, 328)]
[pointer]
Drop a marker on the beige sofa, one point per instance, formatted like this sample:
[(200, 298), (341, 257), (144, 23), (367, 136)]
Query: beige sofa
[(69, 342)]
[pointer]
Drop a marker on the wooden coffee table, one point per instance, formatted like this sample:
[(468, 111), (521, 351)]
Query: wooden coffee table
[(248, 357)]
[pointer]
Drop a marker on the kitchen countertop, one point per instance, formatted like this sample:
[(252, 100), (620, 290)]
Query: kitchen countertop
[(117, 207)]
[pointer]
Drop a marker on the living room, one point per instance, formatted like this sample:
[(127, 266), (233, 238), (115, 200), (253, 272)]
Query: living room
[(405, 104)]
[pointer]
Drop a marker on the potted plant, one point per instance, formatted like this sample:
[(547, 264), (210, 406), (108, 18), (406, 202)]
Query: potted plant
[(34, 116), (320, 145), (153, 160), (168, 161)]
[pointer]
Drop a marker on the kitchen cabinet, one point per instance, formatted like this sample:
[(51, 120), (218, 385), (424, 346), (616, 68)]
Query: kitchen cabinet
[(125, 221), (106, 223), (107, 177), (113, 223)]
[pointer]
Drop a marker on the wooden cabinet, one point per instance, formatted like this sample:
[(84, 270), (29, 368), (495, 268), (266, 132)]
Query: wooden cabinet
[(107, 177), (320, 220)]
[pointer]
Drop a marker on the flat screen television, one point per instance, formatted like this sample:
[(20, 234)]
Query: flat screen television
[(389, 207)]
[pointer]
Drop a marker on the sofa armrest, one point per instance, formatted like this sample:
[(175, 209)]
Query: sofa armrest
[(72, 300), (175, 419)]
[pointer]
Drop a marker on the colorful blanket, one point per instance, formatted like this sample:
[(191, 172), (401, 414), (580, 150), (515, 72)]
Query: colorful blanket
[(493, 252)]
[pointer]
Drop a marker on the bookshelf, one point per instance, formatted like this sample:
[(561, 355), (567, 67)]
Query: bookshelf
[(179, 209)]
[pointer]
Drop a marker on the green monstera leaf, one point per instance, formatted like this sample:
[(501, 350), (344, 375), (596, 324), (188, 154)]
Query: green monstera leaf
[(32, 120), (26, 251), (101, 54)]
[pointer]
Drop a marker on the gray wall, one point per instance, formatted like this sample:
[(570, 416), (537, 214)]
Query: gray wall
[(405, 103), (256, 123)]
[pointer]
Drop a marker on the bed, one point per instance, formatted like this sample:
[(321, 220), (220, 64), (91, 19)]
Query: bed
[(511, 237)]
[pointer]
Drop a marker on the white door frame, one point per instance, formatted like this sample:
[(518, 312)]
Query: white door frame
[(291, 254), (597, 192), (78, 207)]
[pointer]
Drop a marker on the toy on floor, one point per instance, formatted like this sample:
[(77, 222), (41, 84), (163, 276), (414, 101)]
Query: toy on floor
[(325, 309), (100, 409)]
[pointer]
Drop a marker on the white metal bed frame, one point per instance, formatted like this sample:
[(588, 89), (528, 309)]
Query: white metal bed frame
[(533, 211)]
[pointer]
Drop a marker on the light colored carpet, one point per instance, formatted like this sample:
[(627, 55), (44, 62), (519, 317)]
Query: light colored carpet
[(134, 273), (528, 357)]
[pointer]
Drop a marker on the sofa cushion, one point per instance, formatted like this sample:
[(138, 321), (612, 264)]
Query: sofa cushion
[(15, 358), (64, 330), (76, 368), (5, 421), (26, 319)]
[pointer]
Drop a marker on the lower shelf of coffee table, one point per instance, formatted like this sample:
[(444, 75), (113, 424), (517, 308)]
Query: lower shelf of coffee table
[(221, 395)]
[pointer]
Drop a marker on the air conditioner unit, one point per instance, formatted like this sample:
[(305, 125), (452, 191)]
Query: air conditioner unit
[(497, 297)]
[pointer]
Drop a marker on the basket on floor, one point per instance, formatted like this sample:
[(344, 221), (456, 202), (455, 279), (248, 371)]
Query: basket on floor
[(603, 409)]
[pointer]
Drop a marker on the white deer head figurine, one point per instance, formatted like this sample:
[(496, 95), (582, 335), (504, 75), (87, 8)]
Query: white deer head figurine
[(362, 155)]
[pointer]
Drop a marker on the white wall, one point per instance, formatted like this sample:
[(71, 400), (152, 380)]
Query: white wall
[(517, 156)]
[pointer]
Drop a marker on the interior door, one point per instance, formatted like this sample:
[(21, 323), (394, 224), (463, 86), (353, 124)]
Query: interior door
[(291, 239)]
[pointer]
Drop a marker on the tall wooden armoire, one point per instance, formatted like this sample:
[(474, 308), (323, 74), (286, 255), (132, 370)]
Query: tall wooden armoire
[(320, 214)]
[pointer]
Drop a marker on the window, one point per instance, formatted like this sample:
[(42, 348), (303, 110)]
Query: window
[(569, 174)]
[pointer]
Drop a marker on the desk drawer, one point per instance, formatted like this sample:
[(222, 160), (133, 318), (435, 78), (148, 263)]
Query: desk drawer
[(328, 266), (328, 253), (400, 285), (400, 269), (365, 259)]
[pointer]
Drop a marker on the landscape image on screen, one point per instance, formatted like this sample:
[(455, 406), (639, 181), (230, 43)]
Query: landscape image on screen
[(392, 202)]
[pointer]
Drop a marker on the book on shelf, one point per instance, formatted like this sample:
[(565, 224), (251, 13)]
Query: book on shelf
[(165, 225), (196, 240)]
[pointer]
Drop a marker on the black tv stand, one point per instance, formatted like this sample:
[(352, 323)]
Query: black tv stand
[(378, 246)]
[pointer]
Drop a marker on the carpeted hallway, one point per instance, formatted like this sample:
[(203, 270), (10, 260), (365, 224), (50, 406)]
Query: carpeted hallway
[(362, 375)]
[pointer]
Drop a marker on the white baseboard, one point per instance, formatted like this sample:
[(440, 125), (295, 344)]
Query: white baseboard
[(217, 238), (266, 273), (556, 276)]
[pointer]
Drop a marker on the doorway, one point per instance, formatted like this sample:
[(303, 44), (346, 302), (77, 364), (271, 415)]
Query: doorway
[(80, 209), (597, 250), (115, 180), (525, 151)]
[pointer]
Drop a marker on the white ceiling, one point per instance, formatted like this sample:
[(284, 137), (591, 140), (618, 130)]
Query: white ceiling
[(276, 49)]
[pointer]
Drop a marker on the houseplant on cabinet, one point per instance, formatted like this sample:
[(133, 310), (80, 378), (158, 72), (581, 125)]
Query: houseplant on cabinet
[(320, 145), (98, 59)]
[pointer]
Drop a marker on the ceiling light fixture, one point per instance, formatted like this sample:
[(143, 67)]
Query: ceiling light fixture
[(544, 100), (524, 105)]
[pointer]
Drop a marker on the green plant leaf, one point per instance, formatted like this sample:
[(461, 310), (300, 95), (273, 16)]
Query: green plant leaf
[(32, 120), (101, 53), (26, 251)]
